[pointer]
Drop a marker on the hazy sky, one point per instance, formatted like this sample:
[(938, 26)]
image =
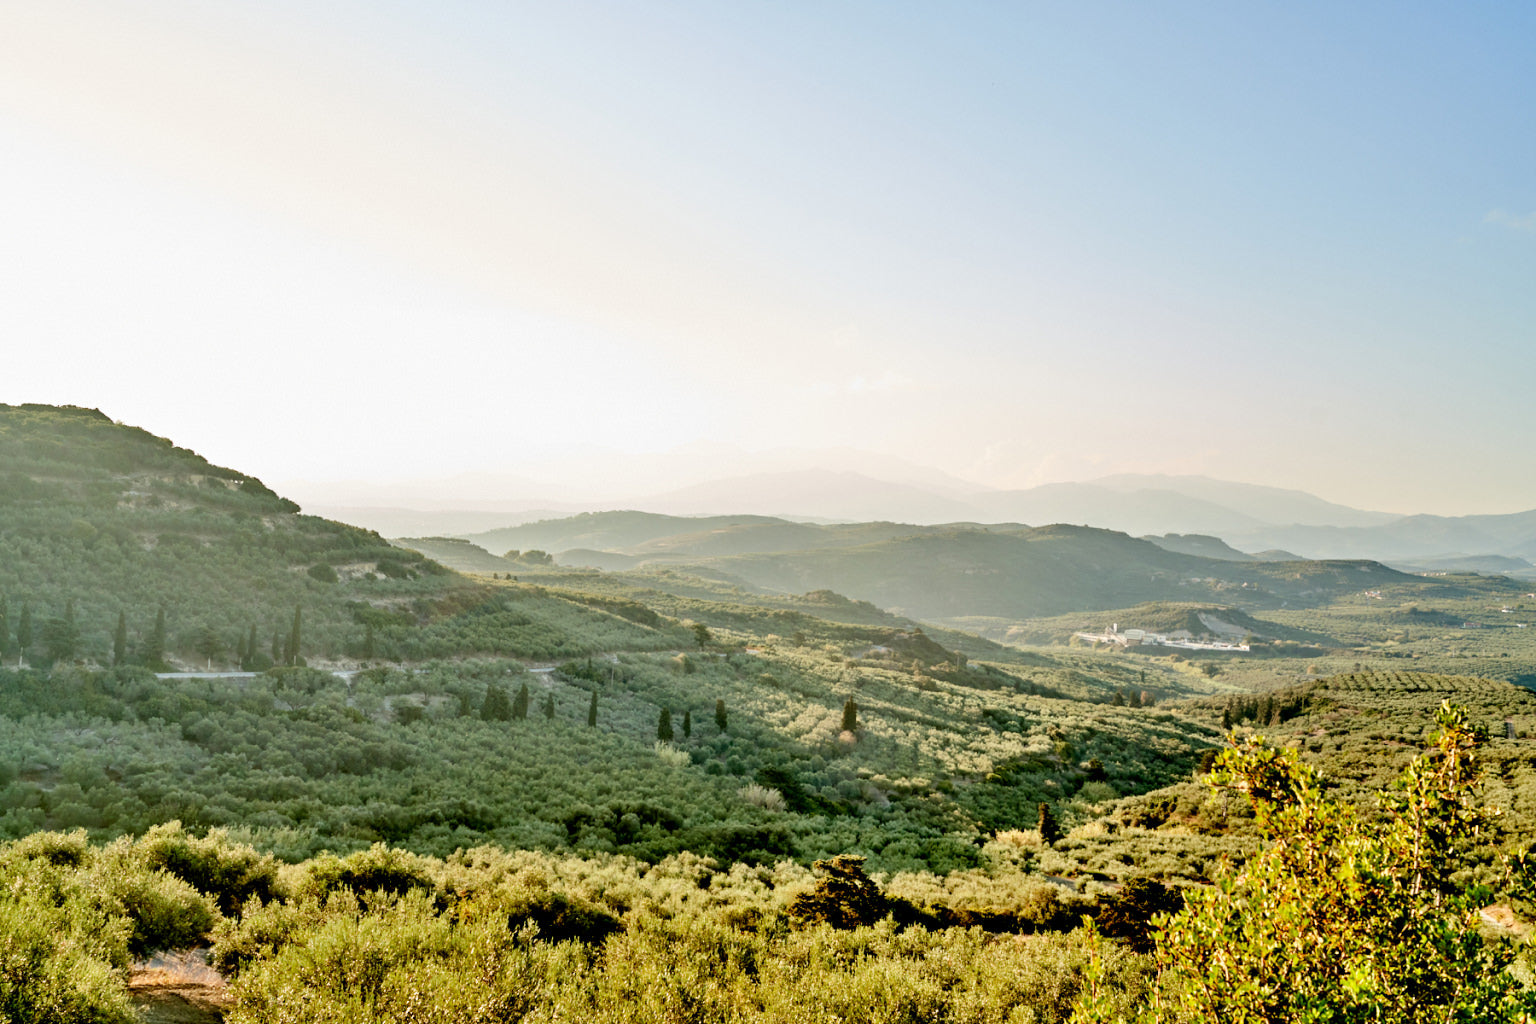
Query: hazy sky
[(1288, 243)]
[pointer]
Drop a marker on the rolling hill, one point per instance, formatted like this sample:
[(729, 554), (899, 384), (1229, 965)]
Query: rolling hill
[(951, 572), (106, 527), (1023, 573)]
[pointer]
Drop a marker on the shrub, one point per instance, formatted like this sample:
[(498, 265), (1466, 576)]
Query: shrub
[(163, 911), (1128, 913), (670, 755), (843, 897), (225, 870), (377, 869), (560, 917), (48, 973), (762, 796), (1341, 915)]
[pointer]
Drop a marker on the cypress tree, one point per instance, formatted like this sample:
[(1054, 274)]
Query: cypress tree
[(687, 724), (549, 705), (240, 655), (495, 707), (1049, 830), (60, 637), (592, 711), (720, 715), (250, 649), (277, 648), (520, 704), (850, 716), (5, 627), (154, 647), (1135, 700), (664, 726), (295, 635)]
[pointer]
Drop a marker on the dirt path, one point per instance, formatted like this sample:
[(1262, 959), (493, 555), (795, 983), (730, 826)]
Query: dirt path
[(178, 988)]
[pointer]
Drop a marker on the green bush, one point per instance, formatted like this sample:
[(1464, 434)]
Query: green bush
[(230, 873), (164, 911), (49, 972), (843, 897), (377, 871)]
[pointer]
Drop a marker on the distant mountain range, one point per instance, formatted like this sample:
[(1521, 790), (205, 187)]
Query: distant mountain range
[(1248, 518), (943, 573)]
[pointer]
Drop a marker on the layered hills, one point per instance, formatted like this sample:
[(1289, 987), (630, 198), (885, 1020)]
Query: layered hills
[(948, 572), (1249, 517), (564, 709), (492, 756)]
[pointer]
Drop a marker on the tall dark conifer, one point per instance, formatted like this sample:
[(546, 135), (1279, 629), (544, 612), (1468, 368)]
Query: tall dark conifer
[(687, 724), (592, 710), (295, 637), (1049, 830), (61, 637), (720, 719), (664, 726), (520, 704), (495, 707), (154, 647)]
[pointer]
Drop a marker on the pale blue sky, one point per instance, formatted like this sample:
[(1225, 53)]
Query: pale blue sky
[(1284, 243)]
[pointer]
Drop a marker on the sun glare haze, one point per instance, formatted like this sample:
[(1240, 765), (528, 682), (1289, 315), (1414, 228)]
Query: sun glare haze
[(1017, 244)]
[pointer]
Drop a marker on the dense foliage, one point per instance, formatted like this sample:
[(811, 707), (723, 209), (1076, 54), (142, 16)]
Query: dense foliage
[(544, 792), (1341, 915)]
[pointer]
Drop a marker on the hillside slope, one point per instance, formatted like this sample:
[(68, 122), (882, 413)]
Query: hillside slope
[(100, 520)]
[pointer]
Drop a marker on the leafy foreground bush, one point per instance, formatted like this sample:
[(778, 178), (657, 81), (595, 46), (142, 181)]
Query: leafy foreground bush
[(488, 935), (402, 962), (71, 918), (1343, 916)]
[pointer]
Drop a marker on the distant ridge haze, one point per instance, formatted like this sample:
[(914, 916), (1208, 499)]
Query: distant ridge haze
[(1249, 517)]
